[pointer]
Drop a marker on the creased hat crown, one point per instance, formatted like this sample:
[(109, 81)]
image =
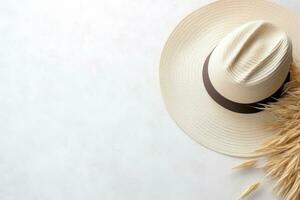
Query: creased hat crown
[(251, 62)]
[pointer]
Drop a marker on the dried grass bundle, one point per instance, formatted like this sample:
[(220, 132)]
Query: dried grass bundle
[(282, 152)]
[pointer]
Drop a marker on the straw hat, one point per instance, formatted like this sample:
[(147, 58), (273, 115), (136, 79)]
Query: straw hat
[(221, 63)]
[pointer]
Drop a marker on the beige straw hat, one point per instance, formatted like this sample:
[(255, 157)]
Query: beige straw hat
[(221, 63)]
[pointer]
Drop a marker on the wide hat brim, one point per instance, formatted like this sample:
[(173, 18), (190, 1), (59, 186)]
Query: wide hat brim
[(181, 82)]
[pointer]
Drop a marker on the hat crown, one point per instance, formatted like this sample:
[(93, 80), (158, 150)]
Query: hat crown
[(252, 61), (254, 51)]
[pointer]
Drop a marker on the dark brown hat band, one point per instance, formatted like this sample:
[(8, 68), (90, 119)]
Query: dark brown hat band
[(234, 106)]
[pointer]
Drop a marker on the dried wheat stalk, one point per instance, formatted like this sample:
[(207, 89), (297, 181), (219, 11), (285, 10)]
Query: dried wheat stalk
[(247, 164), (282, 152), (249, 190)]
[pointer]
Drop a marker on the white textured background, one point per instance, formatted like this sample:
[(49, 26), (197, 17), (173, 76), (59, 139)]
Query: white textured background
[(81, 116)]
